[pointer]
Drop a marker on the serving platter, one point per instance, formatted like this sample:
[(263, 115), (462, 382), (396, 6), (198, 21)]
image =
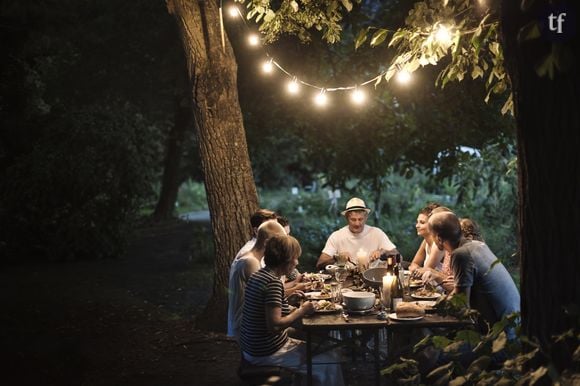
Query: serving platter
[(434, 295), (337, 308), (395, 317)]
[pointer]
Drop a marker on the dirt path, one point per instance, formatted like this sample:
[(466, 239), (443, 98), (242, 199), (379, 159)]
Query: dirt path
[(113, 322)]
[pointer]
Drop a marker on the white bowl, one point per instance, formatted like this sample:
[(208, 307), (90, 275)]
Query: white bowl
[(358, 300)]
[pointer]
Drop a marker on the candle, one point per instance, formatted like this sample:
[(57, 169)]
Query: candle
[(362, 260), (386, 290)]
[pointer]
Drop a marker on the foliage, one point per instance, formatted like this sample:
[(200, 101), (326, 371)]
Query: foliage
[(81, 134), (466, 357), (101, 155)]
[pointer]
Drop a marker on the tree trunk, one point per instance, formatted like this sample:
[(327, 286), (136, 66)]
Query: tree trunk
[(548, 136), (231, 192), (171, 176)]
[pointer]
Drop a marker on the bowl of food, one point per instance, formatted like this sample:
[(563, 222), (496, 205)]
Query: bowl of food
[(358, 300), (373, 277)]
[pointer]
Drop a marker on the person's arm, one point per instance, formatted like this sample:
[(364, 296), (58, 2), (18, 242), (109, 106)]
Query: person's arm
[(419, 258), (276, 322), (435, 257), (252, 266), (324, 260)]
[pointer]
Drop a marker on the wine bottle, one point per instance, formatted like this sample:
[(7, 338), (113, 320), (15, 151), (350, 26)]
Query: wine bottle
[(396, 290)]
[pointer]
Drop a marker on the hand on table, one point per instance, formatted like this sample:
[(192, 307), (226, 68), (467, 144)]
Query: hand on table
[(308, 308)]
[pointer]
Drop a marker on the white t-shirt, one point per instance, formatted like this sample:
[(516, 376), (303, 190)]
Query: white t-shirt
[(369, 240), (237, 289)]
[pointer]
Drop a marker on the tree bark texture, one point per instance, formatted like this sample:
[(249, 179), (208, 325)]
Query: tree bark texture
[(171, 167), (548, 136), (229, 182)]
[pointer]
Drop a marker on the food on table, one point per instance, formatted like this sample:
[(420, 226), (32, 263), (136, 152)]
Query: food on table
[(324, 305), (415, 283), (425, 293), (409, 310)]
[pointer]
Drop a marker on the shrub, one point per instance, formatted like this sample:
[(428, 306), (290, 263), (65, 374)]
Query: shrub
[(76, 194)]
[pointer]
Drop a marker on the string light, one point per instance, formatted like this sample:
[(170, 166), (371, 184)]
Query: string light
[(358, 96), (443, 35), (403, 76), (293, 86), (268, 67), (253, 39), (233, 11), (321, 99)]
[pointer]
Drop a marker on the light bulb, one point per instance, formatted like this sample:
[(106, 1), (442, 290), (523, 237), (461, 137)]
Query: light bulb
[(267, 67), (321, 99), (293, 87), (358, 96), (403, 76), (233, 11), (443, 35), (253, 39)]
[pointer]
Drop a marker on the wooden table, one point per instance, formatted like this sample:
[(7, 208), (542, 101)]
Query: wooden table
[(322, 324)]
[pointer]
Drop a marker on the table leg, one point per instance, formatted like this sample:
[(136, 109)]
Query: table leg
[(377, 359), (309, 358)]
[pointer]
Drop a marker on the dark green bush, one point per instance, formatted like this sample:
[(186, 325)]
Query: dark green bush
[(77, 192)]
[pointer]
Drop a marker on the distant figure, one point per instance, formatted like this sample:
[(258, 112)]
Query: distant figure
[(355, 237)]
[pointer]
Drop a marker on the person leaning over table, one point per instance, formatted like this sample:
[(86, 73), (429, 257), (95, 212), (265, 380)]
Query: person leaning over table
[(355, 236), (256, 219), (263, 336), (489, 290), (242, 268), (428, 255)]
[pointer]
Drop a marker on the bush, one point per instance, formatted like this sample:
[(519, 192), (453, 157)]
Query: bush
[(76, 194)]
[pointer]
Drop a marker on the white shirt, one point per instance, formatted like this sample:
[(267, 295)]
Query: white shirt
[(370, 239)]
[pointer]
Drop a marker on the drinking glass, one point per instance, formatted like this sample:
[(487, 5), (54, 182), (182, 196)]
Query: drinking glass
[(341, 274)]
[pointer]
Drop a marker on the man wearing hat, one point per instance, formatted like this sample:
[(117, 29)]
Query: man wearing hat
[(356, 237)]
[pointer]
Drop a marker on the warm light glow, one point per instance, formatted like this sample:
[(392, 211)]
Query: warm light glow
[(443, 35), (293, 86), (321, 99), (253, 39), (358, 97), (403, 77), (233, 11), (267, 67)]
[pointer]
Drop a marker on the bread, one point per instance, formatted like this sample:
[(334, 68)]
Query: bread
[(409, 310)]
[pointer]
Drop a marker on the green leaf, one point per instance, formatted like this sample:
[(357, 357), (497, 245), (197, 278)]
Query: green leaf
[(459, 381), (468, 336), (440, 371), (479, 365), (529, 31), (441, 341), (499, 343), (546, 66), (379, 37), (361, 38), (269, 16), (347, 4), (477, 72), (423, 342)]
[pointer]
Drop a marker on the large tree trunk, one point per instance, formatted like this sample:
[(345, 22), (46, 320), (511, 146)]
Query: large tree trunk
[(229, 182), (548, 135), (171, 168)]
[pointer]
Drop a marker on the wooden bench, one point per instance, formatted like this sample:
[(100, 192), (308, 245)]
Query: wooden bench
[(264, 375)]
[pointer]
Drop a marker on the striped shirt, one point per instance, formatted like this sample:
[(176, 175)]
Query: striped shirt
[(263, 289)]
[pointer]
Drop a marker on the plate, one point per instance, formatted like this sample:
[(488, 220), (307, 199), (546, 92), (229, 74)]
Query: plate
[(361, 312), (435, 295), (415, 284), (317, 276), (394, 317), (317, 295), (337, 308)]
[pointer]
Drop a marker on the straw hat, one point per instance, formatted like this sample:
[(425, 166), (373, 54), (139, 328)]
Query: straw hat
[(355, 204)]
